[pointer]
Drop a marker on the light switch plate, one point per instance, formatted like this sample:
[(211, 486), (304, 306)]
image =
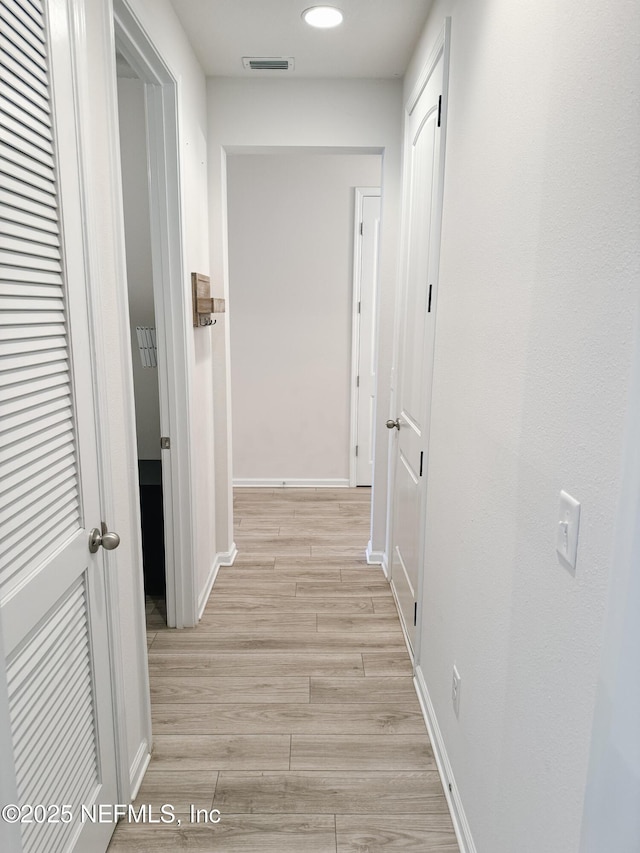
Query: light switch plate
[(568, 526)]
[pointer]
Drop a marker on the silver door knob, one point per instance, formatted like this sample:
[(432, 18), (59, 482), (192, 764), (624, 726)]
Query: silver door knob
[(109, 541), (391, 424)]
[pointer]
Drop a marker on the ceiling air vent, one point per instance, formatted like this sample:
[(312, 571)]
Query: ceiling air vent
[(268, 63)]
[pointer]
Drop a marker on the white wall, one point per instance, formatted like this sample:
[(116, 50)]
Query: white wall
[(107, 266), (316, 114), (290, 221), (537, 295), (135, 197)]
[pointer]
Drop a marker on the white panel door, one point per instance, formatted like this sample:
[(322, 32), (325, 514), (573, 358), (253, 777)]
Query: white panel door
[(52, 589), (368, 287), (417, 332)]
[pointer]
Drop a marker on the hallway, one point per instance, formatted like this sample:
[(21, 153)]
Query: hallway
[(291, 707)]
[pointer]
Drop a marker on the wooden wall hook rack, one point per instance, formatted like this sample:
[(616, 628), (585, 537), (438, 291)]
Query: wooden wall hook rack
[(204, 305)]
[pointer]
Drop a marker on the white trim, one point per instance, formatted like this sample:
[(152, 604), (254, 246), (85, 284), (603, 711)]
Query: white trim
[(172, 311), (289, 483), (360, 194), (139, 768), (451, 792), (226, 558), (374, 558)]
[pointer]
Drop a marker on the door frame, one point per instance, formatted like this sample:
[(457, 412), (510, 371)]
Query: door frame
[(173, 319), (360, 194), (441, 49)]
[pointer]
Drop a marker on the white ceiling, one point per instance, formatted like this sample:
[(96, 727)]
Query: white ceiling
[(376, 38)]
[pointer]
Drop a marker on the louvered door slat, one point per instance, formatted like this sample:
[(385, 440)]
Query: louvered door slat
[(30, 178), (61, 653), (12, 159), (30, 274), (61, 464), (28, 220), (18, 554), (21, 453), (43, 646), (34, 9), (31, 139), (17, 288), (38, 498), (14, 104), (30, 234), (14, 354), (24, 318), (25, 41), (62, 527), (32, 401), (14, 305), (30, 251), (28, 22), (16, 76), (30, 430), (13, 91), (57, 759), (30, 368), (35, 737), (31, 345), (22, 202), (30, 186), (46, 378), (77, 783), (26, 55), (26, 521), (19, 477), (32, 75), (14, 138), (66, 652), (14, 83)]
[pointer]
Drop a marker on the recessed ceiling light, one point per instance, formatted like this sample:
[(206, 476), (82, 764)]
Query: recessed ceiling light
[(323, 17)]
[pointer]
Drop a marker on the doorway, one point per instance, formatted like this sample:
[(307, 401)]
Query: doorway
[(171, 318), (366, 238), (137, 230)]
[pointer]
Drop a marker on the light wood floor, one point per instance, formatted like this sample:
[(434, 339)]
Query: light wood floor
[(291, 707)]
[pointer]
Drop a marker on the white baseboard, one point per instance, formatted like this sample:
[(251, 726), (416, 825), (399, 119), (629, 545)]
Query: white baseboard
[(458, 816), (385, 567), (139, 768), (290, 483), (224, 558), (378, 558), (374, 558)]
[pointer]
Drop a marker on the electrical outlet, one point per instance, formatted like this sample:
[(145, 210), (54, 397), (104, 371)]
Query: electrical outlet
[(455, 690)]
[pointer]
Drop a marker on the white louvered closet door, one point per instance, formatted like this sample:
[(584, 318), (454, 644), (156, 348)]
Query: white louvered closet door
[(52, 590)]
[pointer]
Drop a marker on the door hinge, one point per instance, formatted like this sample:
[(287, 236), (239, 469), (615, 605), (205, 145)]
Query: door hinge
[(356, 449), (429, 305), (357, 381), (359, 307), (421, 459), (165, 443), (415, 613), (439, 109), (361, 227)]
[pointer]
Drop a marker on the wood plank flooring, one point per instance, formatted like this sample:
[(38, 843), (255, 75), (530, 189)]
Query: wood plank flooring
[(291, 707)]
